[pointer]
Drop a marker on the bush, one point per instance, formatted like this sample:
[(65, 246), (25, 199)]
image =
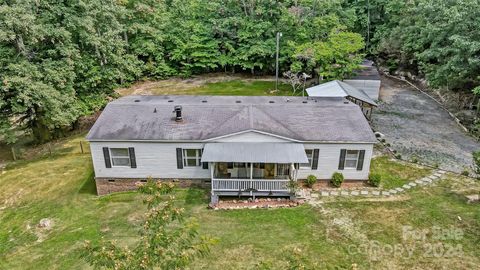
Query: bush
[(398, 156), (436, 165), (383, 140), (476, 162), (311, 180), (374, 179), (337, 179), (465, 172), (414, 159)]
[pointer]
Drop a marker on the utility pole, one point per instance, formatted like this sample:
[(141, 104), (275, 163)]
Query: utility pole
[(368, 26), (276, 60)]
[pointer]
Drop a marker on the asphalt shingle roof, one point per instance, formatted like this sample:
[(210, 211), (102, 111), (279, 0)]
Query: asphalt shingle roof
[(207, 117)]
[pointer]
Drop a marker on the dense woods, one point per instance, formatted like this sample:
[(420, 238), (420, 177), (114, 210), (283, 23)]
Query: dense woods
[(60, 60)]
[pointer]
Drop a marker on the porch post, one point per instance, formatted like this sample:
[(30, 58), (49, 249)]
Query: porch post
[(212, 169), (251, 179)]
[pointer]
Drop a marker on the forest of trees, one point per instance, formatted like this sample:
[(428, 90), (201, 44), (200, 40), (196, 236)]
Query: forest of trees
[(60, 60)]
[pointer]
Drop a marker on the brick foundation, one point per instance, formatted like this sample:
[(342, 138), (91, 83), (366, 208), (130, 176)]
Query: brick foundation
[(110, 185)]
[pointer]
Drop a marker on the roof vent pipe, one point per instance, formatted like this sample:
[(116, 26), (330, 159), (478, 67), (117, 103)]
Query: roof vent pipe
[(178, 113)]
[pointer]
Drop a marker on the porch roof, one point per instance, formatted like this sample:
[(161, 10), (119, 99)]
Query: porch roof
[(254, 152)]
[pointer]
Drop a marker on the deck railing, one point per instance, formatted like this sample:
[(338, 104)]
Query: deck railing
[(274, 185)]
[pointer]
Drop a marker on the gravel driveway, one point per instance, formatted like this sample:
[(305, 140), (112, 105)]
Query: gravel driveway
[(415, 125)]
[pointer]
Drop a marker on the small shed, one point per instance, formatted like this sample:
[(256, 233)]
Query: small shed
[(367, 79), (335, 89)]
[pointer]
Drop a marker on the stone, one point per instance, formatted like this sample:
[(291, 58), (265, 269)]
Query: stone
[(334, 193), (268, 199), (418, 181), (279, 199), (385, 193), (473, 198), (437, 174), (256, 200), (364, 192), (393, 191), (324, 193), (45, 223), (354, 193), (441, 171), (406, 186), (314, 195), (376, 192), (428, 180), (399, 189), (412, 184), (344, 193)]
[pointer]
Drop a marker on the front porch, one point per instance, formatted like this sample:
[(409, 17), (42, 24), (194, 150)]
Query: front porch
[(252, 179), (253, 169)]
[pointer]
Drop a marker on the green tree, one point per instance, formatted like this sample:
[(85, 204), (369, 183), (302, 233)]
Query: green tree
[(166, 241)]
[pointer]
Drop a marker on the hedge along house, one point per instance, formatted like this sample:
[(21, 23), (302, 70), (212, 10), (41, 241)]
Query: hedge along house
[(338, 89), (237, 146)]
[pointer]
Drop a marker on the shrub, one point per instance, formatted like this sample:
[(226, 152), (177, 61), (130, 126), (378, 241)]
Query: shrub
[(476, 162), (398, 156), (465, 172), (436, 165), (383, 140), (337, 179), (374, 179), (311, 180), (414, 159), (388, 145)]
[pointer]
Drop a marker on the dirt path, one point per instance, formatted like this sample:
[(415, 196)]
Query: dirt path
[(417, 126)]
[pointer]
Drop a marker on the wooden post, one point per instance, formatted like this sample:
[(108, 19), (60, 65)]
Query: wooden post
[(13, 154), (81, 147), (50, 148)]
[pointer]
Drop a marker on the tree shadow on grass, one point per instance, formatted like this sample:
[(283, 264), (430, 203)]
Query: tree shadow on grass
[(196, 196), (88, 186)]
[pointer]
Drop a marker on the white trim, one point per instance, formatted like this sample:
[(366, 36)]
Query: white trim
[(112, 157), (351, 159), (206, 141), (251, 130)]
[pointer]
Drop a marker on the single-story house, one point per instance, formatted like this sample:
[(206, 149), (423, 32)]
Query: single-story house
[(336, 89), (235, 145), (367, 79)]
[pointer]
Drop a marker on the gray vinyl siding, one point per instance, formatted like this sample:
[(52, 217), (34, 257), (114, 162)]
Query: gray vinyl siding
[(328, 158), (159, 160)]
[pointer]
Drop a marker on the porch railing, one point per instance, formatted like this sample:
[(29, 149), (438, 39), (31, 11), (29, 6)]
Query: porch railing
[(274, 185)]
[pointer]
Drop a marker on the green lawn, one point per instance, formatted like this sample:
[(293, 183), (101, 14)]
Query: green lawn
[(396, 174), (61, 187), (202, 86)]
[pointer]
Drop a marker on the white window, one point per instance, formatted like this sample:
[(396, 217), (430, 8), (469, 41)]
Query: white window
[(351, 159), (120, 157), (309, 153), (192, 157)]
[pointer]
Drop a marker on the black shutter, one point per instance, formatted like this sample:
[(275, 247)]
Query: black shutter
[(361, 157), (315, 159), (133, 160), (179, 158), (341, 163), (204, 164), (106, 156)]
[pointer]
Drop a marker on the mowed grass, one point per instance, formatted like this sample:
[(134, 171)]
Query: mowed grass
[(210, 86), (396, 174), (61, 187)]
